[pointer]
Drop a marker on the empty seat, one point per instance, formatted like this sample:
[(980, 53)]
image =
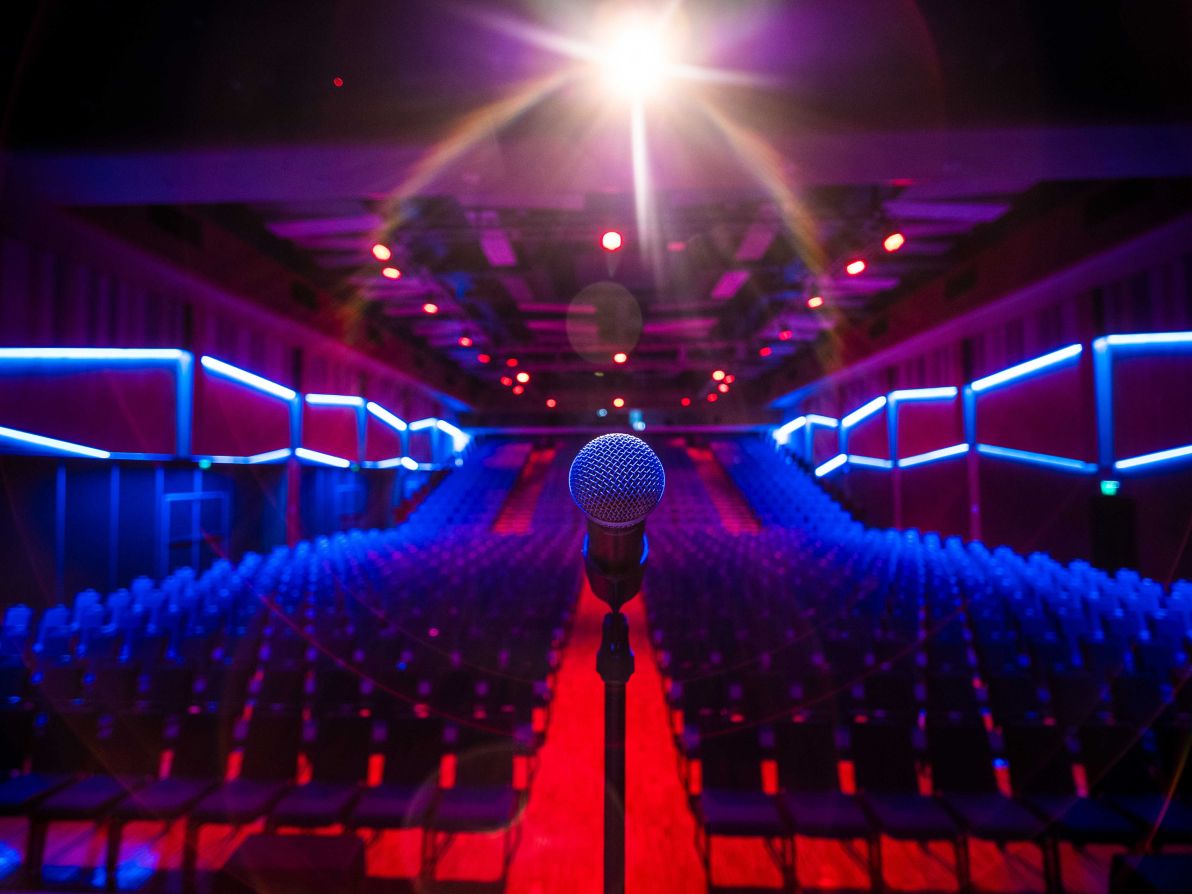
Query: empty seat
[(339, 767)]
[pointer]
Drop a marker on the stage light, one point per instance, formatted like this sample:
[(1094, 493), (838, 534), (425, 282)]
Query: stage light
[(511, 362), (611, 240), (381, 252), (894, 241), (722, 388), (718, 375), (712, 397), (730, 379), (506, 381), (855, 267), (483, 358), (765, 352), (620, 358), (686, 401), (1110, 488), (815, 302), (518, 389), (551, 402), (602, 412), (430, 308), (785, 334), (391, 273), (523, 377), (635, 60), (338, 82), (465, 342), (618, 402)]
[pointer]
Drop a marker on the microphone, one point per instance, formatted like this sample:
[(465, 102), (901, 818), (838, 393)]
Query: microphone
[(616, 481)]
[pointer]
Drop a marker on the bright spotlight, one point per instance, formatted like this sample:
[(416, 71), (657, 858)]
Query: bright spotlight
[(430, 308), (854, 267), (618, 402), (523, 377), (718, 375), (894, 241), (635, 61), (815, 301), (391, 273), (611, 240), (381, 252), (620, 357)]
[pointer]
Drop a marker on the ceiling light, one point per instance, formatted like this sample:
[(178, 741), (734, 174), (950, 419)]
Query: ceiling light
[(722, 388), (676, 246), (465, 342), (381, 252), (718, 375), (523, 377), (506, 381), (686, 401), (550, 402), (518, 389), (391, 273), (620, 358), (817, 301), (511, 362), (729, 379), (430, 308), (611, 240), (635, 60), (483, 358), (855, 267), (785, 334), (602, 412), (712, 398), (894, 241), (618, 402), (765, 352)]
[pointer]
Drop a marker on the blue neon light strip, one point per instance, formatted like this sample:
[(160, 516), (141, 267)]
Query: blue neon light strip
[(322, 458), (423, 423), (831, 465), (404, 462), (1150, 458), (1025, 369), (459, 439), (783, 433), (827, 421), (1150, 339), (335, 400), (1038, 459), (52, 444), (872, 462), (106, 355), (385, 416), (259, 383), (933, 456), (863, 413), (923, 394)]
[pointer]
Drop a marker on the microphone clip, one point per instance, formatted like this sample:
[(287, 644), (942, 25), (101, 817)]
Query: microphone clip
[(615, 588)]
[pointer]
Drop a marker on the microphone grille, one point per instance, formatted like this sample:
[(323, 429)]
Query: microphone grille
[(616, 480)]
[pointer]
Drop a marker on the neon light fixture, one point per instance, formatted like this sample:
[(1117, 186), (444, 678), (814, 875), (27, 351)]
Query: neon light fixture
[(933, 456), (423, 423), (831, 465), (826, 421), (947, 393), (863, 413), (1037, 459), (52, 444), (407, 463), (1025, 369), (872, 462), (1148, 339), (323, 459), (271, 456), (385, 416), (334, 400), (1110, 488), (459, 439), (1148, 459), (783, 434), (258, 383)]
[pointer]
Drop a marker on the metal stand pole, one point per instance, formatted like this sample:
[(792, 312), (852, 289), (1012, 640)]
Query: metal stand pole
[(614, 663)]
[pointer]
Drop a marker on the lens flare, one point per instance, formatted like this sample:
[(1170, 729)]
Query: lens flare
[(635, 60)]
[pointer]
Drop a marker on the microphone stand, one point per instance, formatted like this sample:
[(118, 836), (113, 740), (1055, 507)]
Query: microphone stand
[(614, 663)]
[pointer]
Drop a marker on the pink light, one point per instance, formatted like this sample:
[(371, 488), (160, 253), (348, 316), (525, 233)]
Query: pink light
[(785, 334), (722, 388), (506, 381), (729, 379), (465, 342), (511, 362), (686, 401), (817, 301), (381, 252), (620, 358), (430, 308), (518, 389), (855, 267), (894, 242), (676, 246), (434, 631), (712, 397), (551, 402), (483, 358), (765, 352), (523, 377), (391, 273), (338, 82), (611, 240)]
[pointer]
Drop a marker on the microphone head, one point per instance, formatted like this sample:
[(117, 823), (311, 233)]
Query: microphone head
[(616, 480)]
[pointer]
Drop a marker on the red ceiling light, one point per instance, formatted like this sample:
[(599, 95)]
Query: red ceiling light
[(611, 240), (338, 82), (785, 334), (676, 246), (391, 273), (381, 252), (730, 379), (465, 342), (518, 389), (686, 401), (712, 397), (855, 267), (430, 308), (523, 377), (722, 388), (815, 301), (620, 357), (551, 402), (506, 381), (483, 358), (765, 352), (618, 402), (894, 241), (718, 375), (511, 362)]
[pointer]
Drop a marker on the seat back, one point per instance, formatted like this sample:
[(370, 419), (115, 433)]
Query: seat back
[(272, 745), (133, 745), (961, 759), (202, 745), (170, 687), (67, 743), (884, 758), (282, 688), (1075, 697), (341, 749), (335, 688), (730, 757), (16, 735), (484, 757), (413, 750), (806, 757), (1039, 759), (115, 686), (1115, 760)]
